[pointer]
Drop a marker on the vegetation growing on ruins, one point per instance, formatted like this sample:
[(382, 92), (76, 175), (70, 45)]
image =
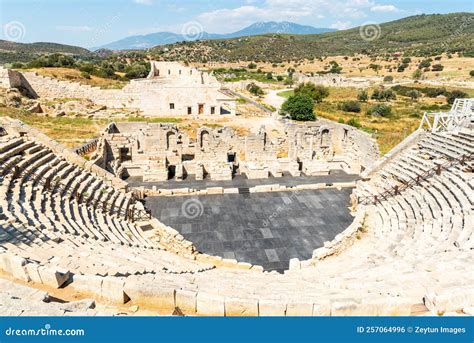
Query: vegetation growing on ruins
[(113, 67)]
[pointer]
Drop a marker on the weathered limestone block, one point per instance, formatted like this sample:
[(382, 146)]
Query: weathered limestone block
[(272, 308), (113, 290), (314, 168), (322, 309), (241, 307), (209, 305), (78, 306), (255, 170), (15, 266), (215, 190), (186, 301), (393, 307), (350, 307), (199, 172), (298, 309), (151, 294), (448, 301), (91, 284), (54, 276), (33, 272)]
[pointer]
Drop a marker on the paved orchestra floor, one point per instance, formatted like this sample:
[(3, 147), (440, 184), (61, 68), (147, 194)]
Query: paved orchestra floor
[(266, 229)]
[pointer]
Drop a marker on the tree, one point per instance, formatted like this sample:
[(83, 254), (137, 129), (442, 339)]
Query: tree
[(299, 107), (437, 67), (317, 93), (425, 64), (351, 106), (354, 122), (136, 71), (269, 76), (363, 95), (375, 67), (417, 74), (255, 90), (280, 78), (379, 110), (383, 95), (335, 68), (289, 81), (456, 94), (471, 73), (413, 94)]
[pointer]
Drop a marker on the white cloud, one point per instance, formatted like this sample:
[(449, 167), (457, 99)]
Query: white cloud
[(70, 28), (307, 11), (383, 8), (143, 2), (341, 25)]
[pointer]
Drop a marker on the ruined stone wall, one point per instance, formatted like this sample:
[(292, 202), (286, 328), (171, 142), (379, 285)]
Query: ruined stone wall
[(158, 96), (158, 151), (47, 87), (338, 146), (332, 80)]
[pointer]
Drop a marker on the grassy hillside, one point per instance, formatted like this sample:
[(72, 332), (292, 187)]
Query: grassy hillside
[(416, 35), (24, 52)]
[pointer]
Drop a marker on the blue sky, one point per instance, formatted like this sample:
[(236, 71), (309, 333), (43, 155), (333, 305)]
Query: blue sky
[(91, 23)]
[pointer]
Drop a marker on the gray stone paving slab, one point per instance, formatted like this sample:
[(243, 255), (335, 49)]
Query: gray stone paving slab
[(261, 228)]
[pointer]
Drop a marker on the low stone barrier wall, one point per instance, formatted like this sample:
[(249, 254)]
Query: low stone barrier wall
[(154, 191), (340, 243)]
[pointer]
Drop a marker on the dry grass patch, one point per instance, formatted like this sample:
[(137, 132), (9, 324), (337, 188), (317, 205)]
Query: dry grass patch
[(74, 75)]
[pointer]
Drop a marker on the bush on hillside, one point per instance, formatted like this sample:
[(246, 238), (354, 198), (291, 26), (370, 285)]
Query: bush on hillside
[(299, 107), (379, 110), (351, 106)]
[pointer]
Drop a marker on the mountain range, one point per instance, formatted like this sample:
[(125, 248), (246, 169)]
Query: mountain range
[(163, 38)]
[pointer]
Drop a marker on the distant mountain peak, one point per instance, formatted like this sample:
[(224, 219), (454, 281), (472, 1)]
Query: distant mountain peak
[(258, 28)]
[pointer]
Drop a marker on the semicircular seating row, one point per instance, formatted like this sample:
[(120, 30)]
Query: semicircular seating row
[(41, 220), (414, 245)]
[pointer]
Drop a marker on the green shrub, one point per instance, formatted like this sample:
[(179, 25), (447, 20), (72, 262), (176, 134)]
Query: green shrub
[(471, 73), (413, 94), (384, 95), (354, 122), (255, 89), (425, 63), (85, 75), (437, 67), (17, 65), (299, 107), (417, 74), (363, 95), (317, 93), (351, 106), (456, 94), (388, 78), (379, 110)]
